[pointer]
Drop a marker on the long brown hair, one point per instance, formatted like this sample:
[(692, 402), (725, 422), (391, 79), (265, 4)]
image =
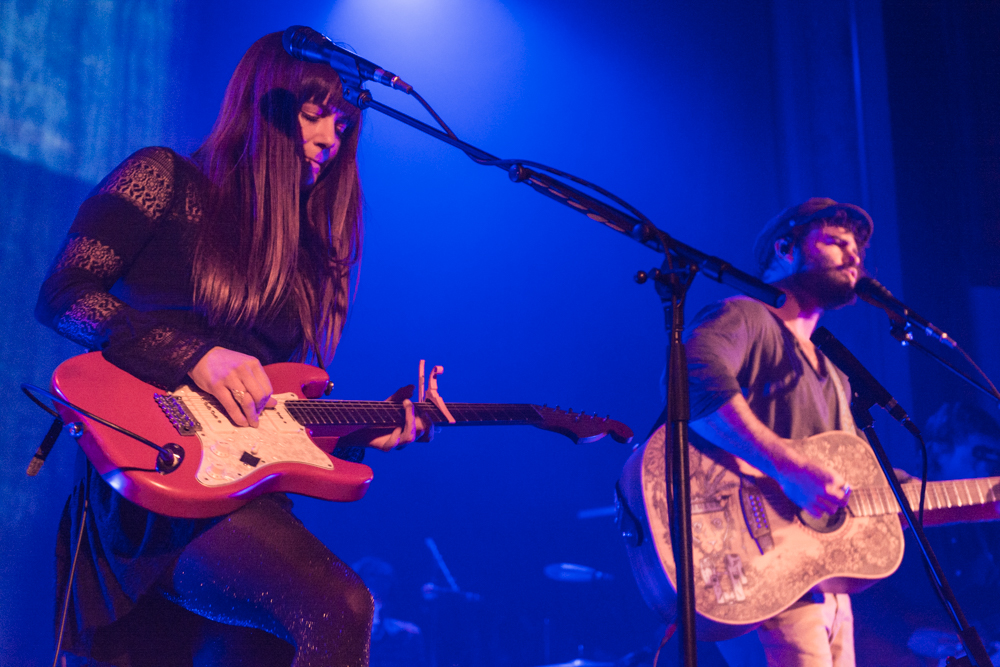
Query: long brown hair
[(252, 253)]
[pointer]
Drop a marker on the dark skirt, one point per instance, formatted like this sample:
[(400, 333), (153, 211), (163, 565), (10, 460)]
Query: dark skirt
[(120, 606)]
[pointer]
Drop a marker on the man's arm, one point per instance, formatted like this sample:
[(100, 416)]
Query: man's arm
[(736, 429)]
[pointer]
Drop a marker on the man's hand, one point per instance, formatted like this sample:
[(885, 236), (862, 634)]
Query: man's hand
[(735, 428), (813, 488), (237, 381)]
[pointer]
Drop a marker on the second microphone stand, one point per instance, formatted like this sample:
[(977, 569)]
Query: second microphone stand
[(673, 285), (866, 393)]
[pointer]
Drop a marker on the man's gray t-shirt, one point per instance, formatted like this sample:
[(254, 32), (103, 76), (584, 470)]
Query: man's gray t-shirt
[(739, 346)]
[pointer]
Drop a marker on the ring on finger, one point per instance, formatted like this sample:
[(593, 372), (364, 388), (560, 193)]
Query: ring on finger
[(238, 394), (847, 490)]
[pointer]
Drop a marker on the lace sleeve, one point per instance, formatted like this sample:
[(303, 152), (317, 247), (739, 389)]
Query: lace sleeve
[(110, 230)]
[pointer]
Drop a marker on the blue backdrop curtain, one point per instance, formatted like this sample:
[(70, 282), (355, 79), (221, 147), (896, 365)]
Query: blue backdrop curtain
[(82, 84)]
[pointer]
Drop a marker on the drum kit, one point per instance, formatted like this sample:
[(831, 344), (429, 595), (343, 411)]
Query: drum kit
[(569, 573), (573, 573), (939, 645)]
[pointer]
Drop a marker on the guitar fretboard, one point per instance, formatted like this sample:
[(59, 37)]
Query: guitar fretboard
[(381, 413), (874, 501)]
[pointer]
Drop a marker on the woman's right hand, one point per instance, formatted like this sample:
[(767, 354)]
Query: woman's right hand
[(237, 381)]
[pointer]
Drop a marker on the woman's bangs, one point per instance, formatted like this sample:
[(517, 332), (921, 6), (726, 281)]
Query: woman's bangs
[(321, 85)]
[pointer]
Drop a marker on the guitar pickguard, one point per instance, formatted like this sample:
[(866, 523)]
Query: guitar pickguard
[(229, 452)]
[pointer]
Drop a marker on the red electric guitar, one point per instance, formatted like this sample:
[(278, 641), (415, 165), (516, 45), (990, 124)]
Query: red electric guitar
[(223, 466)]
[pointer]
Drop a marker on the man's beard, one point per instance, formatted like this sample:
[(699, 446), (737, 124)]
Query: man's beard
[(828, 287)]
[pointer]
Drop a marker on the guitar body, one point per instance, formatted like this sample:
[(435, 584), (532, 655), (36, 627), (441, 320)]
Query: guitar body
[(748, 569), (130, 466)]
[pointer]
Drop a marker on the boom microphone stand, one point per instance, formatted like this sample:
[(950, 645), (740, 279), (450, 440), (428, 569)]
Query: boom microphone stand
[(672, 283)]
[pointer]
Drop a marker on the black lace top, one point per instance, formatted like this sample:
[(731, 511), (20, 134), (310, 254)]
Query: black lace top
[(122, 284)]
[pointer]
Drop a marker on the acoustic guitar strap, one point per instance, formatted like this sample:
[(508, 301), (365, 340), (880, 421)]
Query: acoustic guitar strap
[(845, 420)]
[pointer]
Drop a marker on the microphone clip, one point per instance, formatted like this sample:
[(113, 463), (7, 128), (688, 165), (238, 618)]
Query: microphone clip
[(901, 331)]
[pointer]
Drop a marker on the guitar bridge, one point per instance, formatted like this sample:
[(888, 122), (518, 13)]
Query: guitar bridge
[(177, 413), (755, 514)]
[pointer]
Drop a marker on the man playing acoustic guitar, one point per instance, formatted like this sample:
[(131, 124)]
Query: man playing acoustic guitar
[(759, 387)]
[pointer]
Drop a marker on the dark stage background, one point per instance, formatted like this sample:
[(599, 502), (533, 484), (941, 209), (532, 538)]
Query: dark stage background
[(710, 117)]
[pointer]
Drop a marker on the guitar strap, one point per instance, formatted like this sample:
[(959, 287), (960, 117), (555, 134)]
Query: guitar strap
[(845, 420)]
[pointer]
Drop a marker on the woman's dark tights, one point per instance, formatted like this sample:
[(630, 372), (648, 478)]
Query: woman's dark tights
[(261, 568)]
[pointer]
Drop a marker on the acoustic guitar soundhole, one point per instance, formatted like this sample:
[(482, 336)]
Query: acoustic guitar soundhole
[(827, 523)]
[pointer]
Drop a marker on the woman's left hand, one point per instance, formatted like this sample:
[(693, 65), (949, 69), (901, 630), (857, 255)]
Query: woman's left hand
[(416, 426)]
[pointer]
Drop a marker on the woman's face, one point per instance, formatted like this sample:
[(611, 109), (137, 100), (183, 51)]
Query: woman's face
[(322, 128)]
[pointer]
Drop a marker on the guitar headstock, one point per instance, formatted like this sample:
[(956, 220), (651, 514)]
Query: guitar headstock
[(580, 427)]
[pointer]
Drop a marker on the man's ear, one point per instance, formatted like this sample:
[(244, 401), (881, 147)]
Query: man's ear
[(783, 248)]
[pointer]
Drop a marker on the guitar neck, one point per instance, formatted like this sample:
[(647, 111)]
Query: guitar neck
[(380, 413), (945, 495)]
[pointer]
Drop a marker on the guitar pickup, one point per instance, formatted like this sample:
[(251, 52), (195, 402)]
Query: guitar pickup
[(177, 414)]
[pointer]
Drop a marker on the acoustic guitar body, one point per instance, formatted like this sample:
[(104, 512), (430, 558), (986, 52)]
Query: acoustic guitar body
[(753, 554)]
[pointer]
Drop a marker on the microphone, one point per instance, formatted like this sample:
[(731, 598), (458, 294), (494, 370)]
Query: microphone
[(876, 294), (307, 44)]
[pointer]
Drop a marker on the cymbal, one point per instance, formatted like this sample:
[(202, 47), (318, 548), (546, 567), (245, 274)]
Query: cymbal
[(573, 572), (581, 663), (930, 643)]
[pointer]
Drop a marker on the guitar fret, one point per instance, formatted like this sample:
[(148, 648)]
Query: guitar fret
[(867, 500), (913, 497), (892, 506), (854, 503), (945, 494), (887, 500)]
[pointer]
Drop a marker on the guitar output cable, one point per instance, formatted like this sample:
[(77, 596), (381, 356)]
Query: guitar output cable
[(39, 459), (72, 572), (170, 455)]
